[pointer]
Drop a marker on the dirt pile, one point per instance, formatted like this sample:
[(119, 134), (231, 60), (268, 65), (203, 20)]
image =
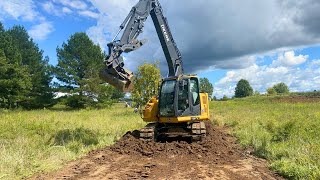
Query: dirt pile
[(214, 148), (216, 157)]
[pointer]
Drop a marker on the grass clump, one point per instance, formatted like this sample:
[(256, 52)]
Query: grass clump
[(287, 134)]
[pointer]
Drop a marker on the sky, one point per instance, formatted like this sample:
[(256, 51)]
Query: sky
[(265, 41)]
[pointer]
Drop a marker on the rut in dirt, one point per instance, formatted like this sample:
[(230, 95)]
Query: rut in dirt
[(218, 156)]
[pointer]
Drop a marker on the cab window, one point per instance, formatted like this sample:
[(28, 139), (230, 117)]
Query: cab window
[(166, 105), (194, 88)]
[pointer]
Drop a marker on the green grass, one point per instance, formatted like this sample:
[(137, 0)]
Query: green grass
[(44, 140), (286, 134)]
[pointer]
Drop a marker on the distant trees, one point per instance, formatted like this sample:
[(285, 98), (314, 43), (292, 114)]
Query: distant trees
[(24, 74), (243, 89), (280, 88), (224, 98), (271, 91), (146, 83), (206, 86)]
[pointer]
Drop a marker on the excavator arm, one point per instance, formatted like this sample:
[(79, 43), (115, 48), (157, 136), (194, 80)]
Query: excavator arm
[(114, 72)]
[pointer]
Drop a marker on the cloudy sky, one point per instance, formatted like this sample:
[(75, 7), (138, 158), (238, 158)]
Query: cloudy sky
[(265, 41)]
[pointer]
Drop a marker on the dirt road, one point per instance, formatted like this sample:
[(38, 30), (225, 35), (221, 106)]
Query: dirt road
[(217, 157)]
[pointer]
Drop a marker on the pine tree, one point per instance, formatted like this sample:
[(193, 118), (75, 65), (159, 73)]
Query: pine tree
[(37, 66), (79, 64), (15, 80)]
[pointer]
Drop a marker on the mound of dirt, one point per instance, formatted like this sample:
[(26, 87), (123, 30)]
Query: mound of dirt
[(214, 148), (218, 156)]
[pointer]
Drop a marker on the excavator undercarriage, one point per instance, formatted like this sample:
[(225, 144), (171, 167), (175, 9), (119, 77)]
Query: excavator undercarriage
[(192, 131)]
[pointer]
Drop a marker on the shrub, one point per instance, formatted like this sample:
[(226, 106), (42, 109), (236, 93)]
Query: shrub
[(271, 91), (281, 88), (78, 101)]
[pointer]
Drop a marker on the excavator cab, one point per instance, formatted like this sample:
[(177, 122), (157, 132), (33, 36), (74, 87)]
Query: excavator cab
[(179, 97)]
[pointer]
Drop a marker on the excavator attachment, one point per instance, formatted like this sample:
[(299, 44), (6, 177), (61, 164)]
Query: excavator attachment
[(122, 80)]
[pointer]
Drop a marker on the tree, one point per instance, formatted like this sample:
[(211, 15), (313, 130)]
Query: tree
[(206, 86), (15, 81), (271, 91), (243, 89), (146, 83), (116, 94), (79, 64), (215, 98), (256, 93), (281, 88), (38, 69), (225, 98)]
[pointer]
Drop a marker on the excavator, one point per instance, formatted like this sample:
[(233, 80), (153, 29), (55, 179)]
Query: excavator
[(180, 110)]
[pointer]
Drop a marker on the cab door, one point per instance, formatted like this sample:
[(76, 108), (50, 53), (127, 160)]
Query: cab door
[(194, 96), (188, 98)]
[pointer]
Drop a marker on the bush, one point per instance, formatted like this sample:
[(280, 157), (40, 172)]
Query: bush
[(78, 101), (281, 88), (271, 91)]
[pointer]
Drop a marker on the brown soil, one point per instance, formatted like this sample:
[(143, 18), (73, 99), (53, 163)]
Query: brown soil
[(298, 99), (216, 157)]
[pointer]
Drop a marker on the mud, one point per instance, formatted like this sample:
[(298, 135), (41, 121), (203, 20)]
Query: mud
[(216, 157)]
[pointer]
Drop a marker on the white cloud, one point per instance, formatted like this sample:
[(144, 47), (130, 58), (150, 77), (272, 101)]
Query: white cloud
[(41, 31), (66, 10), (50, 8), (217, 33), (18, 9), (88, 13), (262, 77), (289, 59), (76, 4)]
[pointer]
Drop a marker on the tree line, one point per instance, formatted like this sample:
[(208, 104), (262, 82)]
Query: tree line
[(26, 75)]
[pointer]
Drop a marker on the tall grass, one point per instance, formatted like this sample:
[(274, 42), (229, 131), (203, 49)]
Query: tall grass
[(287, 134), (39, 141), (43, 140)]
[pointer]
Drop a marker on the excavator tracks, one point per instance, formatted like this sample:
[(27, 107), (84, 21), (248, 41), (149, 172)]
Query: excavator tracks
[(198, 130), (195, 130), (148, 133)]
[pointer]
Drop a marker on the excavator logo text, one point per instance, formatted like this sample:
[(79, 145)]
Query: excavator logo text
[(163, 27)]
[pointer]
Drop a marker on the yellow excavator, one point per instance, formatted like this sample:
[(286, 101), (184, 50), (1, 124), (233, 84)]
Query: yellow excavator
[(180, 109)]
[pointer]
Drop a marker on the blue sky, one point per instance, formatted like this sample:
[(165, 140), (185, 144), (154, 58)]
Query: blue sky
[(265, 42)]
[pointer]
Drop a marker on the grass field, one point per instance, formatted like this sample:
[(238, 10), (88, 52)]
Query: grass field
[(43, 140), (283, 132), (280, 129)]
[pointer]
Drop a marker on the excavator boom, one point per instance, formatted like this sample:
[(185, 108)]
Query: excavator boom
[(114, 72)]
